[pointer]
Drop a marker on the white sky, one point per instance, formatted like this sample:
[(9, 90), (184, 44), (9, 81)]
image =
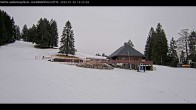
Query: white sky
[(105, 29)]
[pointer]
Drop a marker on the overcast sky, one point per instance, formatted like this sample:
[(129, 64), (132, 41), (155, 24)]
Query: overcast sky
[(105, 29)]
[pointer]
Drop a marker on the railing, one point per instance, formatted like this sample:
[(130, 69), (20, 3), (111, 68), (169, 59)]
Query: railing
[(131, 62)]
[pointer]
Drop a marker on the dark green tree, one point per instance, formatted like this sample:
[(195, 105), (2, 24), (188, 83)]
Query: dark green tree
[(43, 38), (67, 40), (54, 33), (25, 33), (11, 30), (32, 34), (159, 46), (148, 46), (6, 28), (172, 54), (192, 46), (17, 34), (3, 32)]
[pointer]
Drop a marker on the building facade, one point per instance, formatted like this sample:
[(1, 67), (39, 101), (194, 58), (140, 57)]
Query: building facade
[(129, 58)]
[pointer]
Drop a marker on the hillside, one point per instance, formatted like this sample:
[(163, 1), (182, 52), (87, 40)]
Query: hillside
[(26, 80)]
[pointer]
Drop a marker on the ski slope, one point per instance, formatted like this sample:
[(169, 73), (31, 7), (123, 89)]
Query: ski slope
[(24, 79)]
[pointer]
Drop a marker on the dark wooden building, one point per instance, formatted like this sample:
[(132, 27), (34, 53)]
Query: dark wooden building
[(129, 58)]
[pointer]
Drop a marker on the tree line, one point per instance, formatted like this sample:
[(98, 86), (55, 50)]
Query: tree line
[(158, 50), (44, 33)]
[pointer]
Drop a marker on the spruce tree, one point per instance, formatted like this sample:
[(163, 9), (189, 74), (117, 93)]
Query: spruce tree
[(6, 28), (54, 33), (3, 32), (67, 40), (164, 48), (192, 42), (12, 30), (17, 34), (159, 46), (172, 54), (43, 38), (32, 34), (24, 34), (148, 46), (192, 46)]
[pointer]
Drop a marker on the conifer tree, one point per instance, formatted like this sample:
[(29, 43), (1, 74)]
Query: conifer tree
[(43, 38), (3, 32), (32, 33), (192, 46), (172, 54), (25, 32), (54, 33), (17, 34), (148, 46), (7, 29), (67, 40), (159, 46)]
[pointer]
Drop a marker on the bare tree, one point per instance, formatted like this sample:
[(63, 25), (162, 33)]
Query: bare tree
[(183, 41)]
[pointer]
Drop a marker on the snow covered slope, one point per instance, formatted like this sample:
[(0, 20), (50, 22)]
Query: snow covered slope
[(26, 80)]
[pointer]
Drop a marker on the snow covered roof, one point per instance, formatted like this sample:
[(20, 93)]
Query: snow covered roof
[(126, 50)]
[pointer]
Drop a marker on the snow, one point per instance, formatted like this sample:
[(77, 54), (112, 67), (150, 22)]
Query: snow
[(26, 80)]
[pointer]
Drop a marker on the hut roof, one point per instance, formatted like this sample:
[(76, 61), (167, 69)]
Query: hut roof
[(126, 50)]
